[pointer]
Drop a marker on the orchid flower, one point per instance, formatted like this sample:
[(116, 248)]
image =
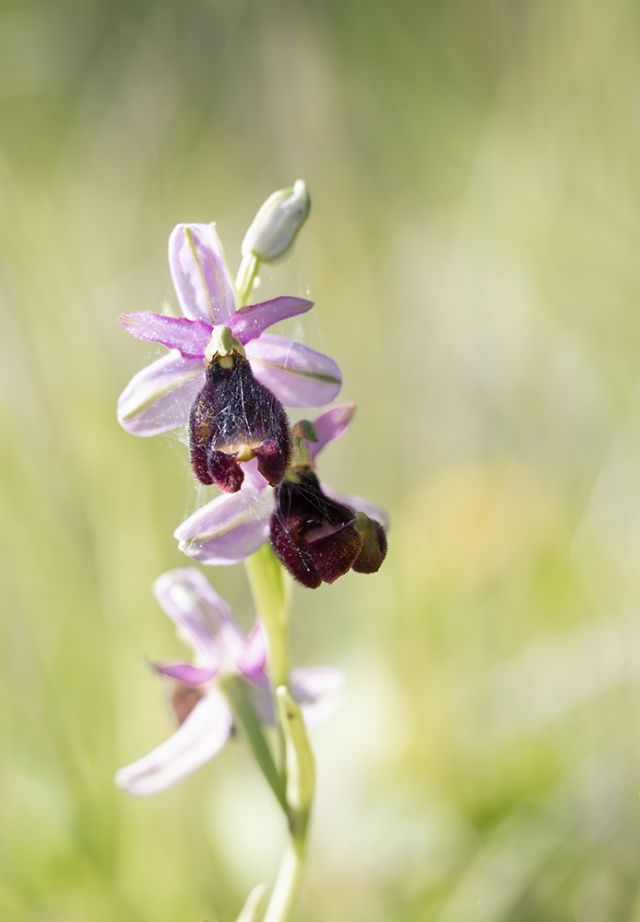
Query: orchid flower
[(316, 533), (205, 719), (223, 373)]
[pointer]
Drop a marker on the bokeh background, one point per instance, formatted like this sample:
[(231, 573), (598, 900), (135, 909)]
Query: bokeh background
[(473, 252)]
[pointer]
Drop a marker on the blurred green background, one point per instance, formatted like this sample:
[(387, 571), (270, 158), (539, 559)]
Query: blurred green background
[(473, 252)]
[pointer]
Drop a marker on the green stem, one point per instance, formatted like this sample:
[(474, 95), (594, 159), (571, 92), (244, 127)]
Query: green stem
[(294, 784), (247, 719), (267, 580), (287, 885)]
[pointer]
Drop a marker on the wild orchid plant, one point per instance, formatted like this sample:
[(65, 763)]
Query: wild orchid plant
[(229, 381)]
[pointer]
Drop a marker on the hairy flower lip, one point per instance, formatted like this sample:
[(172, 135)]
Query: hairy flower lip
[(233, 419), (222, 651), (314, 536)]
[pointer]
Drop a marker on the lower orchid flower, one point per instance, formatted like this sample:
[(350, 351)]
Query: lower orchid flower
[(317, 534), (198, 698), (223, 374)]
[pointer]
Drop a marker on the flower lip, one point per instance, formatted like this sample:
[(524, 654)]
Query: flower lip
[(315, 537), (233, 419)]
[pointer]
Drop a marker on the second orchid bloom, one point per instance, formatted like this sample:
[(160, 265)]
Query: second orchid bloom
[(316, 533)]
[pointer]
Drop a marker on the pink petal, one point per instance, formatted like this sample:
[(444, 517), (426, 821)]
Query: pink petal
[(249, 322), (309, 683), (330, 426), (229, 528), (192, 676), (318, 689), (297, 375), (200, 738), (360, 505), (199, 273), (202, 617), (253, 658), (159, 397), (190, 337)]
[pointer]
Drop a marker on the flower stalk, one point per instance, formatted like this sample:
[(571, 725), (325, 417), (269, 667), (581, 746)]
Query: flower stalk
[(246, 717), (269, 587)]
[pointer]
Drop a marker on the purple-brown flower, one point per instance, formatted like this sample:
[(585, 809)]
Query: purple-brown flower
[(317, 534), (223, 373), (198, 699)]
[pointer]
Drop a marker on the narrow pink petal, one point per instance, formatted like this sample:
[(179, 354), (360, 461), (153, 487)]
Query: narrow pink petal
[(186, 673), (199, 273), (190, 337), (330, 426), (229, 528), (360, 505), (159, 397), (318, 691), (297, 375), (203, 618), (253, 658), (200, 738), (309, 683), (249, 322)]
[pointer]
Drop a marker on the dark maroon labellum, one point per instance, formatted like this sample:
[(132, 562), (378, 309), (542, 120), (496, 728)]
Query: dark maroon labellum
[(318, 539), (233, 419), (183, 700)]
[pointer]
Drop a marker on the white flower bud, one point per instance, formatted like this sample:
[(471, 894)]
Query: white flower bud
[(276, 224)]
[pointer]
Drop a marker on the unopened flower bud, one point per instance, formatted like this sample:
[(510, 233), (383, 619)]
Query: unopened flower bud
[(276, 224)]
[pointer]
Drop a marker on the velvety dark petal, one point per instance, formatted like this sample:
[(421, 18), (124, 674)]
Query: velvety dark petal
[(223, 470), (313, 536), (290, 548), (233, 419), (334, 554), (374, 545)]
